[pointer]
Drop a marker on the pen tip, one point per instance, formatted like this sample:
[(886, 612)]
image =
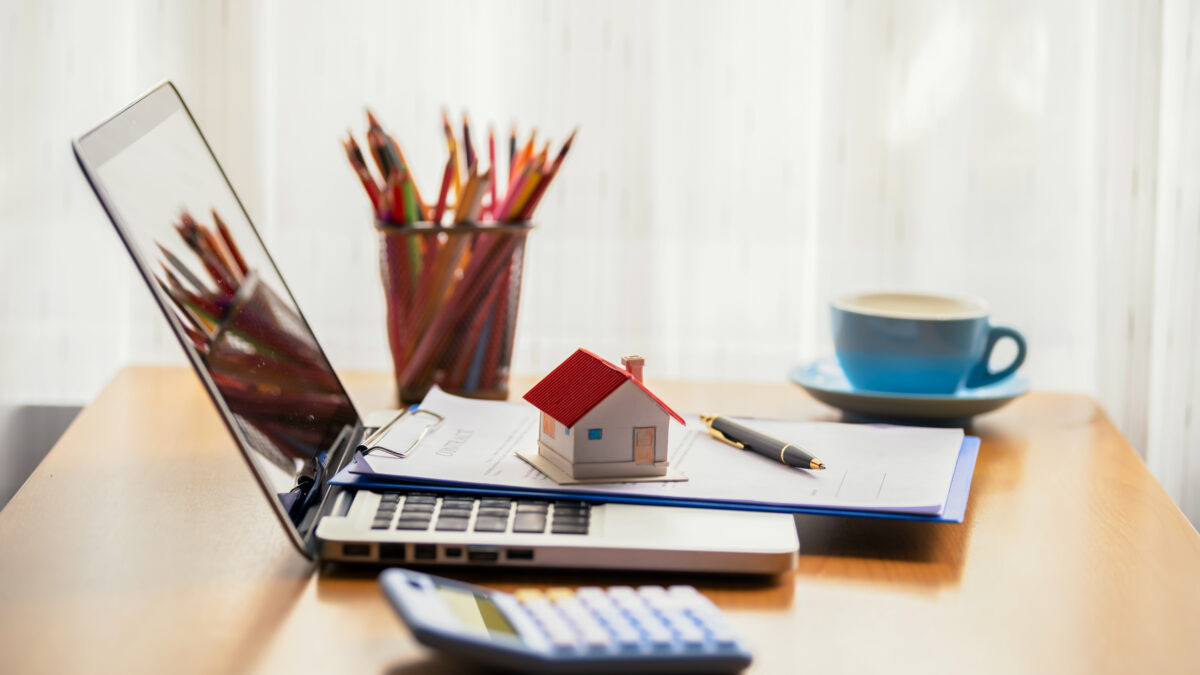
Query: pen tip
[(817, 464)]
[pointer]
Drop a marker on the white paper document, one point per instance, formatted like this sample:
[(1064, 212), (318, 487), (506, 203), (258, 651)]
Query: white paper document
[(870, 467)]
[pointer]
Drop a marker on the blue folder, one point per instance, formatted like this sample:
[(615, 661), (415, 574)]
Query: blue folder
[(953, 512)]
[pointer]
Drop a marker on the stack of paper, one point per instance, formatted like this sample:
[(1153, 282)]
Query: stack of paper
[(873, 470)]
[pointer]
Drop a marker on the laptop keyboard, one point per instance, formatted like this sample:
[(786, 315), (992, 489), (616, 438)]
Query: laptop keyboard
[(420, 512)]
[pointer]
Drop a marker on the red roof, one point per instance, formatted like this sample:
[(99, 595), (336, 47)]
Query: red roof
[(578, 384)]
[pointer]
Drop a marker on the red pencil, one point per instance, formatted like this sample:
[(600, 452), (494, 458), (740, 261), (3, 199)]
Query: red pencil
[(536, 197), (440, 209), (354, 153), (396, 187), (232, 245)]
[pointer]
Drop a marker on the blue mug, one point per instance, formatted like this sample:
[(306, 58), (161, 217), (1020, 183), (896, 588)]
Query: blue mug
[(918, 343)]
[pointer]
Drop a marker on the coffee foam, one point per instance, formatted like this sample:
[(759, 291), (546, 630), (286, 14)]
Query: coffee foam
[(922, 306)]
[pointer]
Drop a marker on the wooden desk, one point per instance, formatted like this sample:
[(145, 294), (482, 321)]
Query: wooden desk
[(142, 544)]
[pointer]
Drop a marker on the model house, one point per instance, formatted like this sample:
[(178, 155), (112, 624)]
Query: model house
[(599, 420)]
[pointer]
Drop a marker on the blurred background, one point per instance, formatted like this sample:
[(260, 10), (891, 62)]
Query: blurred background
[(737, 166)]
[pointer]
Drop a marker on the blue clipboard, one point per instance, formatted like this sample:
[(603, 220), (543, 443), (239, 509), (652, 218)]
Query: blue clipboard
[(953, 512)]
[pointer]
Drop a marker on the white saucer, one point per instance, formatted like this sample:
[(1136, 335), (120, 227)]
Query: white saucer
[(826, 382)]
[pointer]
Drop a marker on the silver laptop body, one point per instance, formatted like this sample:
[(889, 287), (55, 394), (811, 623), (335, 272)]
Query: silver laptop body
[(210, 273)]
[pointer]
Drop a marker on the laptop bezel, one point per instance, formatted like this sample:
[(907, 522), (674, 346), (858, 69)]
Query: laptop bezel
[(337, 456)]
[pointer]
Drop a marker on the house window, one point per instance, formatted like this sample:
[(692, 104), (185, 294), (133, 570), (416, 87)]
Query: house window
[(548, 425), (594, 434), (567, 430)]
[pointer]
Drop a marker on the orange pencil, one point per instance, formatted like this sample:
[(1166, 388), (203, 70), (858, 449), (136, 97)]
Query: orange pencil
[(464, 203), (523, 195), (523, 157), (514, 190), (452, 146)]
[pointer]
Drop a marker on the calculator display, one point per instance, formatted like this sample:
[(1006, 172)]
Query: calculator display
[(478, 614)]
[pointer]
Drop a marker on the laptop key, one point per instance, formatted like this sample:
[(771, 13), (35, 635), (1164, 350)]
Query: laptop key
[(529, 522), (493, 511), (491, 524), (568, 528), (452, 524), (569, 521)]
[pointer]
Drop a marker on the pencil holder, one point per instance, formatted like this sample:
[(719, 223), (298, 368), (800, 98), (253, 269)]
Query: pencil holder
[(452, 296)]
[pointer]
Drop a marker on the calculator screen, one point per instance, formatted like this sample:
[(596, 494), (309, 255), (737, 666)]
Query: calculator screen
[(478, 614)]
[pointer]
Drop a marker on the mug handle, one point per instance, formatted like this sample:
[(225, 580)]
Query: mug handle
[(981, 375)]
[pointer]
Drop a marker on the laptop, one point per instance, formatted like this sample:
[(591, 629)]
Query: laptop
[(243, 332)]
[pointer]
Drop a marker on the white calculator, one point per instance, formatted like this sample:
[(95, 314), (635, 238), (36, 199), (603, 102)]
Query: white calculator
[(648, 629)]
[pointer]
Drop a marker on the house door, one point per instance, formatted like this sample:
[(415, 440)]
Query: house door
[(643, 445)]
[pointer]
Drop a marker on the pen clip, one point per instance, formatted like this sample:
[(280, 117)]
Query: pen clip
[(717, 434)]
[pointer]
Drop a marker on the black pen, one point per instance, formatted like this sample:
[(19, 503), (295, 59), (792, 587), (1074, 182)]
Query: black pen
[(740, 436)]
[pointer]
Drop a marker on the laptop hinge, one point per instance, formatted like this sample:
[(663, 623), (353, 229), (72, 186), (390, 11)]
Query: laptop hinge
[(336, 458)]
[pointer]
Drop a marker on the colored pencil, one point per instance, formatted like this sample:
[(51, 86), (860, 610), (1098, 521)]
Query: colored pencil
[(468, 146), (354, 153), (450, 291), (440, 209), (452, 148), (512, 151), (232, 245), (492, 163)]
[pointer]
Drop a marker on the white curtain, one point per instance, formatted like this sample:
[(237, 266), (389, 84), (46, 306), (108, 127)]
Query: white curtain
[(738, 164)]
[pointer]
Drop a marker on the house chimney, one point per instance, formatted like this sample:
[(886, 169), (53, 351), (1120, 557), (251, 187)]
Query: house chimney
[(634, 365)]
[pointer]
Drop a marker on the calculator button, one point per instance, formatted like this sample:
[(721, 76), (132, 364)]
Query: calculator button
[(525, 594), (562, 639), (413, 524)]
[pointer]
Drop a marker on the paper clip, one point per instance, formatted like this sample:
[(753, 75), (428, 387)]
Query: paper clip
[(369, 444)]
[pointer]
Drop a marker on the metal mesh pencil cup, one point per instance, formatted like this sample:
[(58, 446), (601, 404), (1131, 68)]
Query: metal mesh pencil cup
[(452, 295)]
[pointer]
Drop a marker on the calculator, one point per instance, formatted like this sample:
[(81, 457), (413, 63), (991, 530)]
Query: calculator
[(648, 629)]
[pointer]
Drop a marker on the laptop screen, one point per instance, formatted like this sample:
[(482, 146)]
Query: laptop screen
[(224, 297)]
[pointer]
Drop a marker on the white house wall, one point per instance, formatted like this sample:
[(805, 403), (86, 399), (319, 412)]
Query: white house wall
[(627, 407), (561, 443)]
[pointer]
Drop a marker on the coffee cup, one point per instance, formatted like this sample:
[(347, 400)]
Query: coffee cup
[(918, 343)]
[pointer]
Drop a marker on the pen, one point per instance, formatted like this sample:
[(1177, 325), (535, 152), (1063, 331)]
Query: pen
[(739, 436)]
